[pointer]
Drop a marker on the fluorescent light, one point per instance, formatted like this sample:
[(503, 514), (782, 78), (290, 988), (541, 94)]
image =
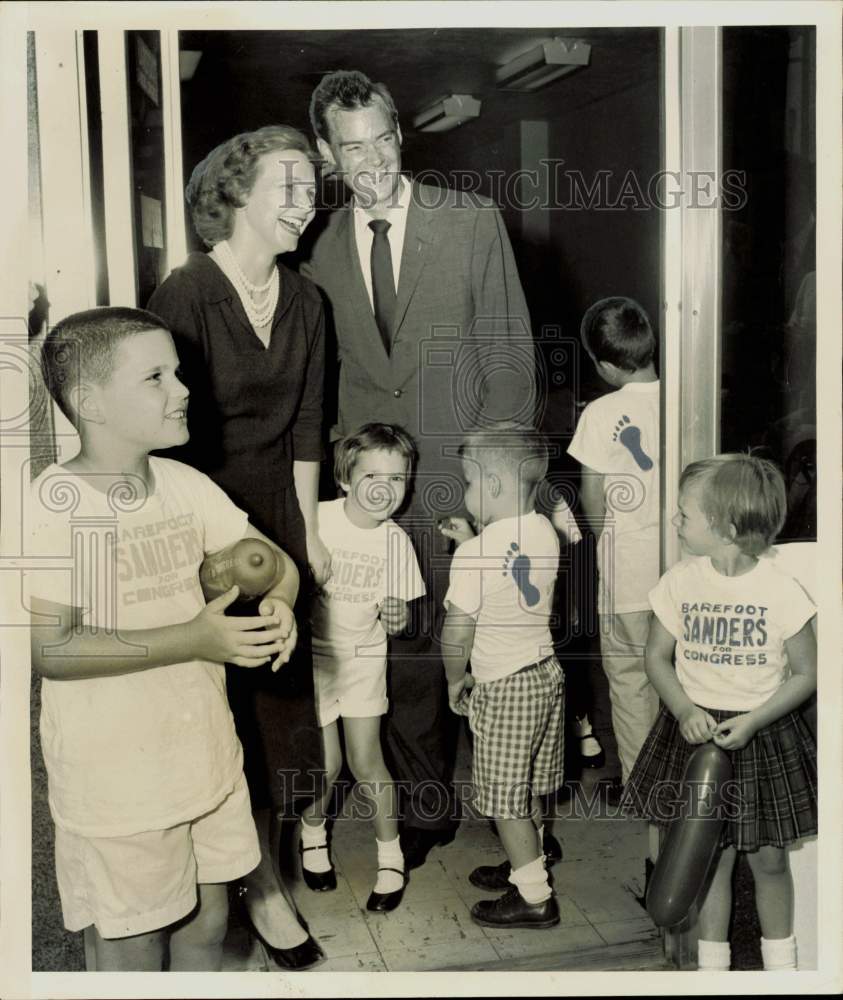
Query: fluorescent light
[(542, 64), (188, 61), (447, 113)]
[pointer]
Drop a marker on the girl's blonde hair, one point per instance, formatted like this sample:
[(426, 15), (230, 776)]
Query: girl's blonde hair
[(741, 491)]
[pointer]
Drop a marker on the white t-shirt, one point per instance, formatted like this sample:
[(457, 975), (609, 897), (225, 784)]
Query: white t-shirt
[(504, 579), (730, 630), (367, 565), (146, 750), (618, 435)]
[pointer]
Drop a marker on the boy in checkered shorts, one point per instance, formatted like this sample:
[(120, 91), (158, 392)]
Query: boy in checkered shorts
[(498, 610)]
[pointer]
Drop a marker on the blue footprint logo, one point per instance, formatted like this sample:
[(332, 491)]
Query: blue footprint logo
[(519, 565), (630, 437)]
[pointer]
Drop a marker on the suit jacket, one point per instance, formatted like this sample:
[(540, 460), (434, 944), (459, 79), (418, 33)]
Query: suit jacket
[(462, 350)]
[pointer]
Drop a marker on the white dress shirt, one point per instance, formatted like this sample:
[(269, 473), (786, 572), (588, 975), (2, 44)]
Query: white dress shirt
[(396, 216)]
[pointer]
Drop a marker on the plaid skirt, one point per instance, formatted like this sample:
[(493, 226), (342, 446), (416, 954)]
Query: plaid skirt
[(772, 799)]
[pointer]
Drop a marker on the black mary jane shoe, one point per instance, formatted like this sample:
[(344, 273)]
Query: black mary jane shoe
[(318, 881), (383, 902), (298, 958)]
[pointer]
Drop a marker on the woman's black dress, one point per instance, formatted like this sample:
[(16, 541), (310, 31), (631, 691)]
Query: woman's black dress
[(252, 411)]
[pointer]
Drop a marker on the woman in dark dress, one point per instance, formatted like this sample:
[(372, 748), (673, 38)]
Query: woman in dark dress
[(250, 338)]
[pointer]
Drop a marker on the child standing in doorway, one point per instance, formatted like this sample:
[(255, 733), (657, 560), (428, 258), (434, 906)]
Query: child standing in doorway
[(732, 655), (617, 444)]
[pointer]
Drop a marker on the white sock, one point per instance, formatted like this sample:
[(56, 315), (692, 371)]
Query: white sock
[(779, 954), (317, 861), (531, 881), (389, 856), (713, 956), (589, 747)]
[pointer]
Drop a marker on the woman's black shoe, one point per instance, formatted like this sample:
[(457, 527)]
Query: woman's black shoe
[(383, 902), (318, 881), (299, 957)]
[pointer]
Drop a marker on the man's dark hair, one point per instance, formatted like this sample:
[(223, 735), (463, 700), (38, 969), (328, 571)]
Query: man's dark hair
[(348, 90)]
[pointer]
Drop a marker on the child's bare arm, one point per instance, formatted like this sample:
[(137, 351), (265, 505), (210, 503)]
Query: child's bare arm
[(457, 642), (63, 649), (593, 499), (695, 724), (802, 657)]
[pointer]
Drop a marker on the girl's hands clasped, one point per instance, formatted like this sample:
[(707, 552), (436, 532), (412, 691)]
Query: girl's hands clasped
[(696, 725), (245, 642), (735, 733)]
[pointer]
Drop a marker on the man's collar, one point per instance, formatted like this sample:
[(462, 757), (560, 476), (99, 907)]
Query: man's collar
[(399, 201)]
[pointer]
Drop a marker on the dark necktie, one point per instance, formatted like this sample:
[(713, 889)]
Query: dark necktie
[(383, 283)]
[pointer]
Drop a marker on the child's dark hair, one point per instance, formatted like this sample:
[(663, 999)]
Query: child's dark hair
[(617, 330), (82, 348), (743, 491), (371, 437), (511, 447)]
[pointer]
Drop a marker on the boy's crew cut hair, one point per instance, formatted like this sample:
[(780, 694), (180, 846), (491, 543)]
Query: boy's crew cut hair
[(617, 330), (508, 446), (83, 347), (372, 437), (744, 491)]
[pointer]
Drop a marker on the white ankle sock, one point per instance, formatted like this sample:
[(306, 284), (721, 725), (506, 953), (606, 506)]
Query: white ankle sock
[(531, 881), (389, 856), (589, 745), (779, 954), (713, 956), (317, 861)]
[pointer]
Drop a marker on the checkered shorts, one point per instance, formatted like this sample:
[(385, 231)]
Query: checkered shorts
[(517, 727)]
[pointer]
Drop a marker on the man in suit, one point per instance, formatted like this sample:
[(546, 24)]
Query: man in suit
[(433, 334)]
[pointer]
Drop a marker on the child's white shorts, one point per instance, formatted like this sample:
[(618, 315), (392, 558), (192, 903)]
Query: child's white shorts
[(147, 881), (355, 688)]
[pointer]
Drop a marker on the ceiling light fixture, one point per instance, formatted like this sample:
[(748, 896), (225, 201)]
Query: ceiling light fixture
[(447, 113), (543, 64)]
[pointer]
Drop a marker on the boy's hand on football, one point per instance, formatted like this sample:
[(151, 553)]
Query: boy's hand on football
[(696, 725), (245, 642), (735, 733), (457, 528), (279, 610), (458, 694), (393, 614)]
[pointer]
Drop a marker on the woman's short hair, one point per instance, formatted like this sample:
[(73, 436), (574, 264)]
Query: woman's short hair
[(371, 437), (224, 180), (743, 491)]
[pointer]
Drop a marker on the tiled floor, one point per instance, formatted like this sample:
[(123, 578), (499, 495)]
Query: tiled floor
[(603, 924)]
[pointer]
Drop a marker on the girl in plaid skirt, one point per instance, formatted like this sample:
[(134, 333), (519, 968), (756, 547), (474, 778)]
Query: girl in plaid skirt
[(732, 655)]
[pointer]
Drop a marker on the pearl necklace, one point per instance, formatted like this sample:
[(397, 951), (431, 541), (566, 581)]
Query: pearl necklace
[(259, 314)]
